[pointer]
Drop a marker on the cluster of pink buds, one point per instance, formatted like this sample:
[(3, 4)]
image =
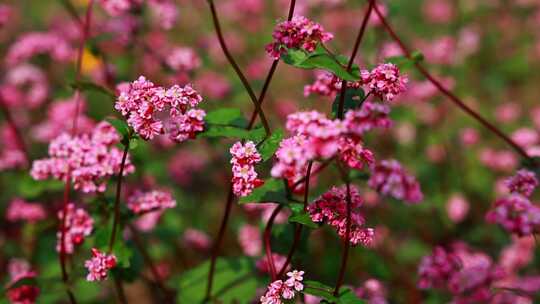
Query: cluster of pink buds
[(143, 202), (141, 101), (384, 81), (118, 7), (331, 208), (18, 270), (299, 33), (183, 59), (327, 84), (78, 225), (524, 182), (388, 177), (516, 214), (32, 44), (89, 159), (279, 290), (25, 86), (244, 158), (20, 210), (292, 159), (99, 265), (371, 116), (435, 269)]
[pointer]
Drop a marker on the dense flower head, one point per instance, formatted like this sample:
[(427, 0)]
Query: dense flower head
[(25, 86), (292, 159), (164, 12), (18, 270), (353, 153), (516, 214), (99, 265), (327, 84), (524, 182), (390, 178), (21, 210), (31, 44), (370, 116), (141, 102), (385, 81), (279, 290), (331, 208), (299, 33), (373, 291), (143, 202), (78, 225), (244, 158), (435, 269), (89, 159), (249, 238)]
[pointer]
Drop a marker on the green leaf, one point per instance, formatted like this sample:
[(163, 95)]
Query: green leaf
[(353, 97), (360, 175), (120, 125), (234, 282), (90, 86), (273, 190), (404, 63), (30, 188), (303, 218), (120, 249), (321, 59), (347, 296), (214, 131), (320, 290), (270, 145), (226, 117)]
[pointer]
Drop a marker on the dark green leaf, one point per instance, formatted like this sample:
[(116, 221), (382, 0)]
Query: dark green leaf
[(353, 97), (320, 290), (273, 190), (120, 125), (321, 59), (270, 145), (226, 117), (303, 218), (214, 131), (234, 282), (347, 296)]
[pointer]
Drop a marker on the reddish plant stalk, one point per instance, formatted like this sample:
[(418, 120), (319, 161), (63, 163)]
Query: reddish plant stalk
[(346, 243), (219, 240), (268, 244), (116, 218), (359, 37), (456, 100), (237, 69), (62, 257), (11, 123)]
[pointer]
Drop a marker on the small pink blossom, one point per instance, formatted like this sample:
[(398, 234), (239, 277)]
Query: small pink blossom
[(143, 202), (196, 239), (516, 214), (279, 290), (388, 177), (31, 44), (524, 182), (457, 208), (18, 270), (249, 238), (99, 265), (183, 59), (20, 210), (244, 158), (78, 225), (385, 81)]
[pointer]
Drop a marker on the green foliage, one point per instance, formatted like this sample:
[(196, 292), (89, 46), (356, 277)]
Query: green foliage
[(31, 189), (226, 117), (346, 295), (353, 98), (321, 59), (405, 63), (234, 282), (270, 145), (303, 218), (273, 190), (93, 87)]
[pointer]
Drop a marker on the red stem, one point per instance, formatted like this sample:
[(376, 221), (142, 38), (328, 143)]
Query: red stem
[(117, 198), (346, 243), (359, 37), (267, 242), (456, 100)]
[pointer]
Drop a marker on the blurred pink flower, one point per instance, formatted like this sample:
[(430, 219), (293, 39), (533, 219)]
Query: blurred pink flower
[(20, 210), (99, 265), (196, 239), (457, 207), (249, 238), (438, 11)]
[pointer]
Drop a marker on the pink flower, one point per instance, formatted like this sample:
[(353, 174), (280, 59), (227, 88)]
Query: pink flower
[(299, 33), (31, 44), (525, 137), (373, 291), (183, 59), (292, 159), (18, 270), (99, 265), (142, 101), (457, 208), (370, 116), (89, 159), (196, 239), (25, 86), (244, 157), (249, 238), (279, 290), (117, 7), (435, 269), (516, 214), (20, 210), (385, 81), (78, 225), (143, 202), (327, 84), (438, 11), (354, 154), (11, 155), (389, 178), (524, 182), (331, 208), (165, 12), (469, 136)]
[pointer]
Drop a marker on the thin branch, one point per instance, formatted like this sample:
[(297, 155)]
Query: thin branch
[(346, 243), (456, 100), (117, 199), (267, 242)]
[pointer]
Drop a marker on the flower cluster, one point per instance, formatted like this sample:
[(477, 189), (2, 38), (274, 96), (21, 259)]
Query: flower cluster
[(435, 269), (11, 154), (385, 81), (141, 101), (373, 291), (299, 33), (18, 270), (524, 182), (388, 177), (25, 86), (89, 159), (516, 214), (183, 59), (292, 159), (371, 116), (99, 265), (244, 158), (78, 225), (279, 290), (32, 44), (117, 7), (20, 210), (327, 84), (331, 208), (143, 202), (250, 241)]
